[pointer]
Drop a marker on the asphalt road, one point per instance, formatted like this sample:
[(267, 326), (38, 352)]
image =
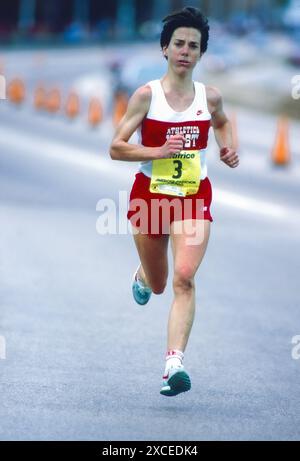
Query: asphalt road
[(82, 360)]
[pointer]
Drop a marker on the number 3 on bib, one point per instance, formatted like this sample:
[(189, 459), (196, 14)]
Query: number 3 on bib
[(179, 175)]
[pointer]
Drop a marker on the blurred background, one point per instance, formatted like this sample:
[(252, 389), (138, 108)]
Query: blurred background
[(67, 69), (252, 42), (35, 21)]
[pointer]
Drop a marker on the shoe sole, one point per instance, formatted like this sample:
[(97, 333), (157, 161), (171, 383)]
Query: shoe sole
[(178, 383), (141, 303), (138, 301)]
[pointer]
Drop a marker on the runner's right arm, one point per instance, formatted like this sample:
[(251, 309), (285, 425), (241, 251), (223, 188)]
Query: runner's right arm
[(121, 149)]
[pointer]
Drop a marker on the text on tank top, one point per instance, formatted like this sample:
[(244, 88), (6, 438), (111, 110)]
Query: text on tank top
[(162, 121)]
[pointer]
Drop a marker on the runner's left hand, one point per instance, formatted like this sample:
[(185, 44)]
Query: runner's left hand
[(229, 157)]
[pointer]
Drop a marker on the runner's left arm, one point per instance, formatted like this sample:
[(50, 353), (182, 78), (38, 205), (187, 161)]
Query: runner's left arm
[(222, 128)]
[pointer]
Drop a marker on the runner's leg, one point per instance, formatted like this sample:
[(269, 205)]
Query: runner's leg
[(187, 258), (153, 253)]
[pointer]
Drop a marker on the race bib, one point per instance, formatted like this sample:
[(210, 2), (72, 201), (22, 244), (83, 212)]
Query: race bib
[(179, 175)]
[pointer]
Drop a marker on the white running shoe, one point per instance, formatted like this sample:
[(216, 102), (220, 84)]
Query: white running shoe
[(175, 381)]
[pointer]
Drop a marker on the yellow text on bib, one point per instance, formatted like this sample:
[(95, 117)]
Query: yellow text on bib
[(179, 175)]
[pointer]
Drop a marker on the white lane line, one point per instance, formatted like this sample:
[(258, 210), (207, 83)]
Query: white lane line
[(63, 152), (251, 205), (40, 146)]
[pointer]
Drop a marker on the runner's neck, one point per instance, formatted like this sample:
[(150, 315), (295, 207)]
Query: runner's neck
[(176, 84)]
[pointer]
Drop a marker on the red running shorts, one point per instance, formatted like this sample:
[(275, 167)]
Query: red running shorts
[(153, 214)]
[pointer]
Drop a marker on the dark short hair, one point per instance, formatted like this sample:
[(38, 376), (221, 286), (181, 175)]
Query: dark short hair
[(187, 17)]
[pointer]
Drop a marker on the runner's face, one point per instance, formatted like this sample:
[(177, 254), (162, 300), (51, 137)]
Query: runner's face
[(183, 51)]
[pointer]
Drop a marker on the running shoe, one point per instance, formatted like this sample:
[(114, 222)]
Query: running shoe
[(176, 381), (140, 291)]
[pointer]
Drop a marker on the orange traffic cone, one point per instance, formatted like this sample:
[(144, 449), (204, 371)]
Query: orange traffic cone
[(40, 98), (281, 149), (95, 115), (16, 91), (72, 105), (235, 139), (53, 101), (120, 106)]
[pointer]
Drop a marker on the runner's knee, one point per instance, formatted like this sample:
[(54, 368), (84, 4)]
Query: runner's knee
[(183, 280)]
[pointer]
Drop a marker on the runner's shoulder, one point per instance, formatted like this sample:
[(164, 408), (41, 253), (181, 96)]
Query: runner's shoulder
[(213, 95), (142, 95)]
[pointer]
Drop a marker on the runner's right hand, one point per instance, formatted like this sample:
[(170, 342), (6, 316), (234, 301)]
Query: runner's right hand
[(172, 146)]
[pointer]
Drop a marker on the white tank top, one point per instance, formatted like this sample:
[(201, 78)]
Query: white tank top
[(162, 121)]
